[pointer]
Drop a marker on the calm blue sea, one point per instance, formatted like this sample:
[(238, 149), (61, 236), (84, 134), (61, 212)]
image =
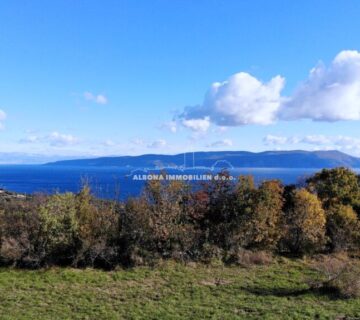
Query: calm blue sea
[(112, 182)]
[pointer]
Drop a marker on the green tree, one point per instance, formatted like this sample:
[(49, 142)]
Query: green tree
[(336, 186), (59, 228)]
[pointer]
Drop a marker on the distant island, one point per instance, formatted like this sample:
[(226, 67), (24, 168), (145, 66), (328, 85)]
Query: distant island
[(225, 159)]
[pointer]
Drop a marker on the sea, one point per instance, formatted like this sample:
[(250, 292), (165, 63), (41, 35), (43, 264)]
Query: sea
[(118, 183)]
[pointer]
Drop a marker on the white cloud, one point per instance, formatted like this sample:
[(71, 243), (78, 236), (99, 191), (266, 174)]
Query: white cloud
[(170, 126), (322, 142), (2, 115), (99, 98), (59, 139), (240, 100), (109, 143), (220, 129), (54, 139), (160, 143), (275, 140), (2, 118), (316, 140), (197, 125), (30, 139), (221, 143), (330, 93)]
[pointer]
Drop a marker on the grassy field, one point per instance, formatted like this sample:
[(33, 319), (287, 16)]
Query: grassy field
[(170, 291)]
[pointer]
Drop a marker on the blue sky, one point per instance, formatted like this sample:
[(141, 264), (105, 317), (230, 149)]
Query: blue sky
[(89, 78)]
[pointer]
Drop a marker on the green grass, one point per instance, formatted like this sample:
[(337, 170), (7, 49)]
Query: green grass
[(170, 291)]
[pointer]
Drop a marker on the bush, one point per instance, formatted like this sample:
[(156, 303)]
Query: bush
[(336, 186), (62, 229), (343, 227), (261, 225), (217, 210), (304, 223), (59, 228), (211, 254), (20, 232), (157, 224), (98, 228), (220, 221), (342, 276), (246, 258)]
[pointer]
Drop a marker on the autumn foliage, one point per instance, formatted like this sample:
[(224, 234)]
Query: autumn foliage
[(222, 220)]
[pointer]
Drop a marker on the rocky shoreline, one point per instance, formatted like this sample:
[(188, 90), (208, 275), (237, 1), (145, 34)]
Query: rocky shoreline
[(8, 195)]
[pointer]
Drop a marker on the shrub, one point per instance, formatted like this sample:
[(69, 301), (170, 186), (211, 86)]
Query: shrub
[(157, 224), (336, 186), (211, 254), (219, 199), (246, 258), (97, 231), (343, 227), (304, 223), (341, 276), (59, 228), (261, 226), (19, 234)]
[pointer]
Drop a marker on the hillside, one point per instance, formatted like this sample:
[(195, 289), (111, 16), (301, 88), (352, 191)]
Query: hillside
[(240, 159)]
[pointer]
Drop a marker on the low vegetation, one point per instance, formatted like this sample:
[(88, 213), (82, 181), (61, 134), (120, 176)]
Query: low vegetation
[(279, 290), (218, 220), (232, 225)]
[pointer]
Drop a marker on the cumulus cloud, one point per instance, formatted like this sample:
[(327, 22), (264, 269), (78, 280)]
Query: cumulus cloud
[(97, 98), (197, 125), (330, 93), (160, 143), (2, 118), (240, 100), (221, 143)]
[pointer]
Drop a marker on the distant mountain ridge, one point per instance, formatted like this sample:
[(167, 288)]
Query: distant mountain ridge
[(239, 159)]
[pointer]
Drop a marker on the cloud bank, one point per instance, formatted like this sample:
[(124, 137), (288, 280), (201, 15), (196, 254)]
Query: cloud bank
[(329, 94), (339, 142)]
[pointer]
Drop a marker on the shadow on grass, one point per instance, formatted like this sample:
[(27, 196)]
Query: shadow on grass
[(287, 293)]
